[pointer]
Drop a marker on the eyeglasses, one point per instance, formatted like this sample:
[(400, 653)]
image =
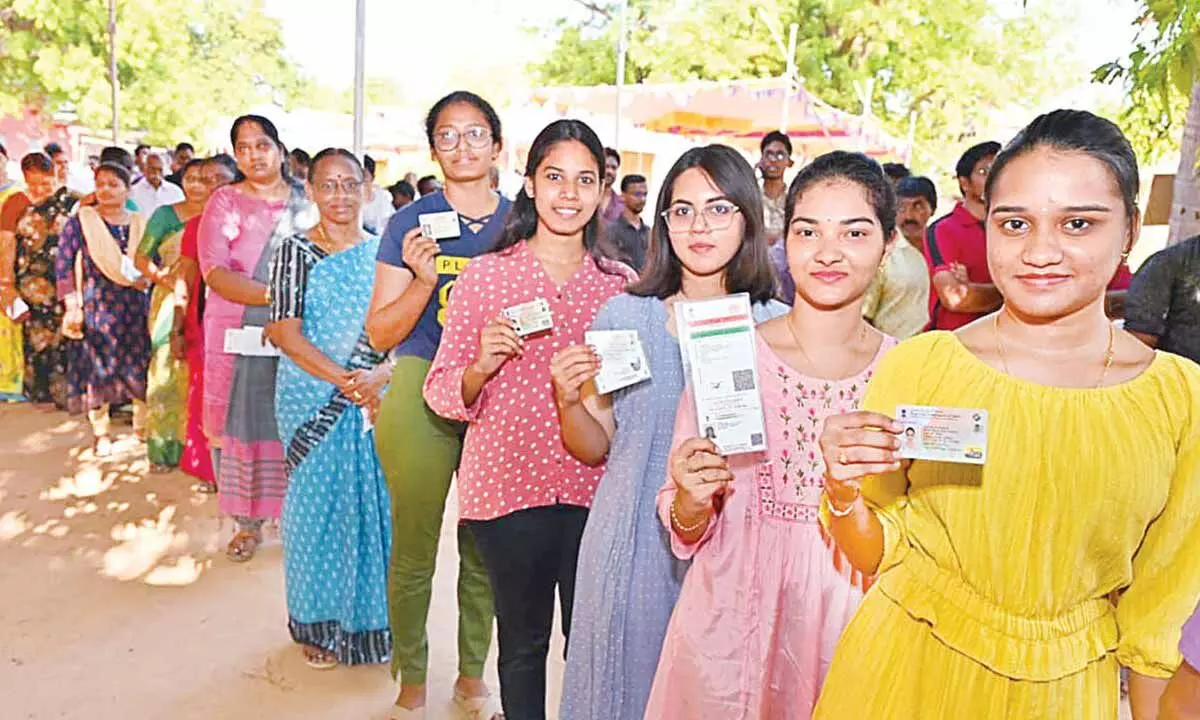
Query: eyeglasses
[(983, 171), (447, 139), (348, 186), (775, 155), (717, 216)]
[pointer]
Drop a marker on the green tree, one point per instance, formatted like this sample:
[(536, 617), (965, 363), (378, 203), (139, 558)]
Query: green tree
[(951, 62), (180, 63), (1163, 78)]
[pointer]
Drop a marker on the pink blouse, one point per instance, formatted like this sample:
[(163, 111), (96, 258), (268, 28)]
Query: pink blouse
[(513, 458), (768, 593), (233, 234)]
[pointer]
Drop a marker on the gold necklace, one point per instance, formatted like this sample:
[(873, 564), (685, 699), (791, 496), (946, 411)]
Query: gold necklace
[(328, 245), (1108, 354), (862, 336)]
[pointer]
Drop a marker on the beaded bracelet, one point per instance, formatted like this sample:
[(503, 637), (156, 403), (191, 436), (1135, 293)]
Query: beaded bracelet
[(686, 528), (849, 509)]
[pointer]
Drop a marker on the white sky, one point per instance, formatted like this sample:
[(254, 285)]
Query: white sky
[(426, 46)]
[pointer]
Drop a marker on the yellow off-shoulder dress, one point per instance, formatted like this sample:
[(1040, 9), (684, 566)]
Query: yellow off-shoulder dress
[(1017, 589)]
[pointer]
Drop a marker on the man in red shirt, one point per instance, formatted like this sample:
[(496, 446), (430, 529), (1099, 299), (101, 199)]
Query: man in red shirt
[(956, 248)]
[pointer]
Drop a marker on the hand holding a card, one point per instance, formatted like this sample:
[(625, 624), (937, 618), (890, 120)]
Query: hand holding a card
[(701, 476), (570, 368), (498, 341), (419, 253), (854, 446)]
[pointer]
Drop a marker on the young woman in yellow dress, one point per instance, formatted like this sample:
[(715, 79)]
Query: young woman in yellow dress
[(1018, 589)]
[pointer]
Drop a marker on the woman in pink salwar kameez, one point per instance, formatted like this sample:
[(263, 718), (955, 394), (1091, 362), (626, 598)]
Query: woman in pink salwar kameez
[(768, 595)]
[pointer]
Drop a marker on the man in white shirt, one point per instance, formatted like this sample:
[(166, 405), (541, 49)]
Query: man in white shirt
[(377, 202), (153, 191)]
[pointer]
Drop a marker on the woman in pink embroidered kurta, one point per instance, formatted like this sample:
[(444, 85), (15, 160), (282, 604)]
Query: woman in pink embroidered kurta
[(768, 595)]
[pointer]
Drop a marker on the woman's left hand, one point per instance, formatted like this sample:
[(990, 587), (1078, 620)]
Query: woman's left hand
[(365, 386)]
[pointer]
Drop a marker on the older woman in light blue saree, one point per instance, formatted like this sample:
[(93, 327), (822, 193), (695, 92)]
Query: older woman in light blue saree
[(337, 515)]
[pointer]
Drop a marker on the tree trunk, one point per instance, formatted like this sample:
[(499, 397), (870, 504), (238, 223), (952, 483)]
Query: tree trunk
[(1185, 203)]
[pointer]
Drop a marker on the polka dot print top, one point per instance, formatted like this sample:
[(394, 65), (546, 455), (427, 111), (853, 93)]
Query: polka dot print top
[(513, 458)]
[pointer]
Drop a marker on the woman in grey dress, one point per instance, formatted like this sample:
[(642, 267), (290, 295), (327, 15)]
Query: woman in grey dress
[(707, 241)]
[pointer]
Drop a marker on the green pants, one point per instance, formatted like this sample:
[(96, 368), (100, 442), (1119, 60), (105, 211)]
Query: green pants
[(419, 452)]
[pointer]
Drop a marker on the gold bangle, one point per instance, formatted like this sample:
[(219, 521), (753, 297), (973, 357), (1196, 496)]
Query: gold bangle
[(849, 509), (686, 529)]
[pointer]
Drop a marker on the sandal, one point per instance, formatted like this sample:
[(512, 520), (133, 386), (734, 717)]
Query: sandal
[(243, 545), (207, 488), (102, 446), (403, 713), (158, 469), (479, 707), (318, 658)]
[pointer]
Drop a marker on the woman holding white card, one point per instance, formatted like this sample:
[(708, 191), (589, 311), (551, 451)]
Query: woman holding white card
[(1018, 588), (708, 241), (418, 265), (522, 496), (763, 571)]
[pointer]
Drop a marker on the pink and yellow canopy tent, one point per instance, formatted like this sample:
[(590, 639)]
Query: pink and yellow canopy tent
[(738, 112)]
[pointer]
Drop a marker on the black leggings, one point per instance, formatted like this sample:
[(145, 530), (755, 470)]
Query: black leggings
[(527, 554)]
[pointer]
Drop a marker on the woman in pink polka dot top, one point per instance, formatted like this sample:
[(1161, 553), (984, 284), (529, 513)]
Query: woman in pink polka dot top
[(524, 498)]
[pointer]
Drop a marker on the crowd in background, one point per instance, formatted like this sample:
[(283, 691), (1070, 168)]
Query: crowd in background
[(305, 345)]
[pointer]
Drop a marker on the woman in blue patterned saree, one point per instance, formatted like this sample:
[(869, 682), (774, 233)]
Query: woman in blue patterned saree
[(336, 516)]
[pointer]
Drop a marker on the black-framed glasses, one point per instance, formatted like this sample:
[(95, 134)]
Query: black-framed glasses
[(717, 216), (349, 186), (447, 139), (776, 155)]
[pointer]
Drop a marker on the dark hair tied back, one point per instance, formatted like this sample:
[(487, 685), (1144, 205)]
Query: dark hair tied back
[(1081, 132), (116, 169), (331, 152), (467, 98), (854, 168), (268, 128)]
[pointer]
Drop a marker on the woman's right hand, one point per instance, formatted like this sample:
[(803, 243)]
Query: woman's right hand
[(700, 474), (856, 445), (498, 342), (419, 254), (570, 368)]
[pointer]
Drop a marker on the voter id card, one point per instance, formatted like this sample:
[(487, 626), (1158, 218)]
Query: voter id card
[(622, 359), (942, 434), (439, 225), (530, 318)]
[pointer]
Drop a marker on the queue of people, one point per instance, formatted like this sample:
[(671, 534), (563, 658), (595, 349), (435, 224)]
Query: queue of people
[(825, 577)]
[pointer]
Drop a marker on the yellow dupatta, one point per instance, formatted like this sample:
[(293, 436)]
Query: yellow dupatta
[(103, 247)]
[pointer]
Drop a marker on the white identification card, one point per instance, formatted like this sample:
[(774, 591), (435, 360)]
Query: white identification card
[(717, 337), (368, 426), (440, 225), (248, 341), (941, 434), (18, 308), (530, 318), (622, 359), (129, 270)]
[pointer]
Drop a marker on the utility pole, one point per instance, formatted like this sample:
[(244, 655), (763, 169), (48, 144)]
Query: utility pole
[(112, 68), (360, 42), (622, 47)]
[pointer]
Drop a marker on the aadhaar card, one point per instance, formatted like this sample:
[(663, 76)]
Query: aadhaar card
[(531, 317), (439, 225), (622, 359), (940, 434), (716, 339)]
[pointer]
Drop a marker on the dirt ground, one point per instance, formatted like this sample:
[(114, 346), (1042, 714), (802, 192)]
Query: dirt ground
[(116, 600)]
